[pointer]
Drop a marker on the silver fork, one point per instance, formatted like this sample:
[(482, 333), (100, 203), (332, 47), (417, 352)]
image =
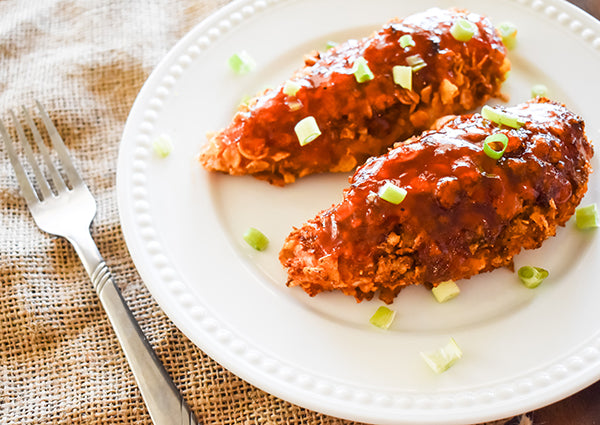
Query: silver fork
[(67, 211)]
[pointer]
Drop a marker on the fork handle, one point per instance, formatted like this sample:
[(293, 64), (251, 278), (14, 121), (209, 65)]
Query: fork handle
[(164, 402)]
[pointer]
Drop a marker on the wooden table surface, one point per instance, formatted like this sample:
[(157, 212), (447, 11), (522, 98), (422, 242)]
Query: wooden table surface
[(582, 408), (590, 6)]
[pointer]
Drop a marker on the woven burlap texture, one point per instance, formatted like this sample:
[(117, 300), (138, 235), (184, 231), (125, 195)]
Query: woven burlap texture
[(60, 362)]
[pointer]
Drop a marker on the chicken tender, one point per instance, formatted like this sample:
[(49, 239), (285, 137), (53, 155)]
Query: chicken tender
[(361, 119), (464, 212)]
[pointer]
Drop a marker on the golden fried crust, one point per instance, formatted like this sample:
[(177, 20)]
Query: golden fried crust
[(464, 213), (358, 120)]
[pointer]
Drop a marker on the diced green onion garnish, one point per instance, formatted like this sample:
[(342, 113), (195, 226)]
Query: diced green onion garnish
[(362, 72), (490, 143), (539, 90), (383, 317), (245, 100), (256, 239), (587, 217), (294, 105), (508, 33), (307, 130), (391, 193), (403, 76), (445, 291), (501, 118), (162, 146), (441, 359), (407, 41), (532, 276), (416, 62), (241, 63), (463, 30), (330, 45), (290, 88)]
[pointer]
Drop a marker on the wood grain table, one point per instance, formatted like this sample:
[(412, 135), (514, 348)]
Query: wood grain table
[(590, 6), (582, 408)]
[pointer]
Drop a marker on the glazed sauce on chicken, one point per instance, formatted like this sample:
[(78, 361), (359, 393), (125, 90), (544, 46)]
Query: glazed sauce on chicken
[(359, 120), (460, 205)]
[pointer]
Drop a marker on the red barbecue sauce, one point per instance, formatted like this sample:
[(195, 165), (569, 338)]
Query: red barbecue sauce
[(455, 190), (332, 95)]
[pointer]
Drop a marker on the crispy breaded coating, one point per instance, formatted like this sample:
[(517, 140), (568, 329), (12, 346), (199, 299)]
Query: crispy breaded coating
[(464, 213), (358, 120)]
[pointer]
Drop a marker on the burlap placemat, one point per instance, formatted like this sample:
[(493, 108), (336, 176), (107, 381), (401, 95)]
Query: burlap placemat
[(59, 361)]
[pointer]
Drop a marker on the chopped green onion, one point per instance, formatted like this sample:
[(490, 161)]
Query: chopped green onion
[(256, 239), (587, 217), (330, 45), (307, 130), (290, 88), (162, 146), (508, 33), (445, 291), (441, 359), (391, 193), (539, 90), (463, 30), (491, 141), (416, 62), (532, 276), (362, 72), (241, 63), (501, 118), (245, 100), (294, 105), (383, 317), (403, 76), (407, 41)]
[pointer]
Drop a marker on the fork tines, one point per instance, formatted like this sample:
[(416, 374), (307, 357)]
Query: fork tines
[(45, 188)]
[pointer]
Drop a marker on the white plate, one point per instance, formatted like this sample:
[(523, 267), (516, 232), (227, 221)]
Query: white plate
[(522, 348)]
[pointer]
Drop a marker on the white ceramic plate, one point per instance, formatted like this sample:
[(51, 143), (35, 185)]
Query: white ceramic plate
[(522, 348)]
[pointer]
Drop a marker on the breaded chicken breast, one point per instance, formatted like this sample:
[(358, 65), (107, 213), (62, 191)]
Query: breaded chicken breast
[(358, 117), (464, 212)]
